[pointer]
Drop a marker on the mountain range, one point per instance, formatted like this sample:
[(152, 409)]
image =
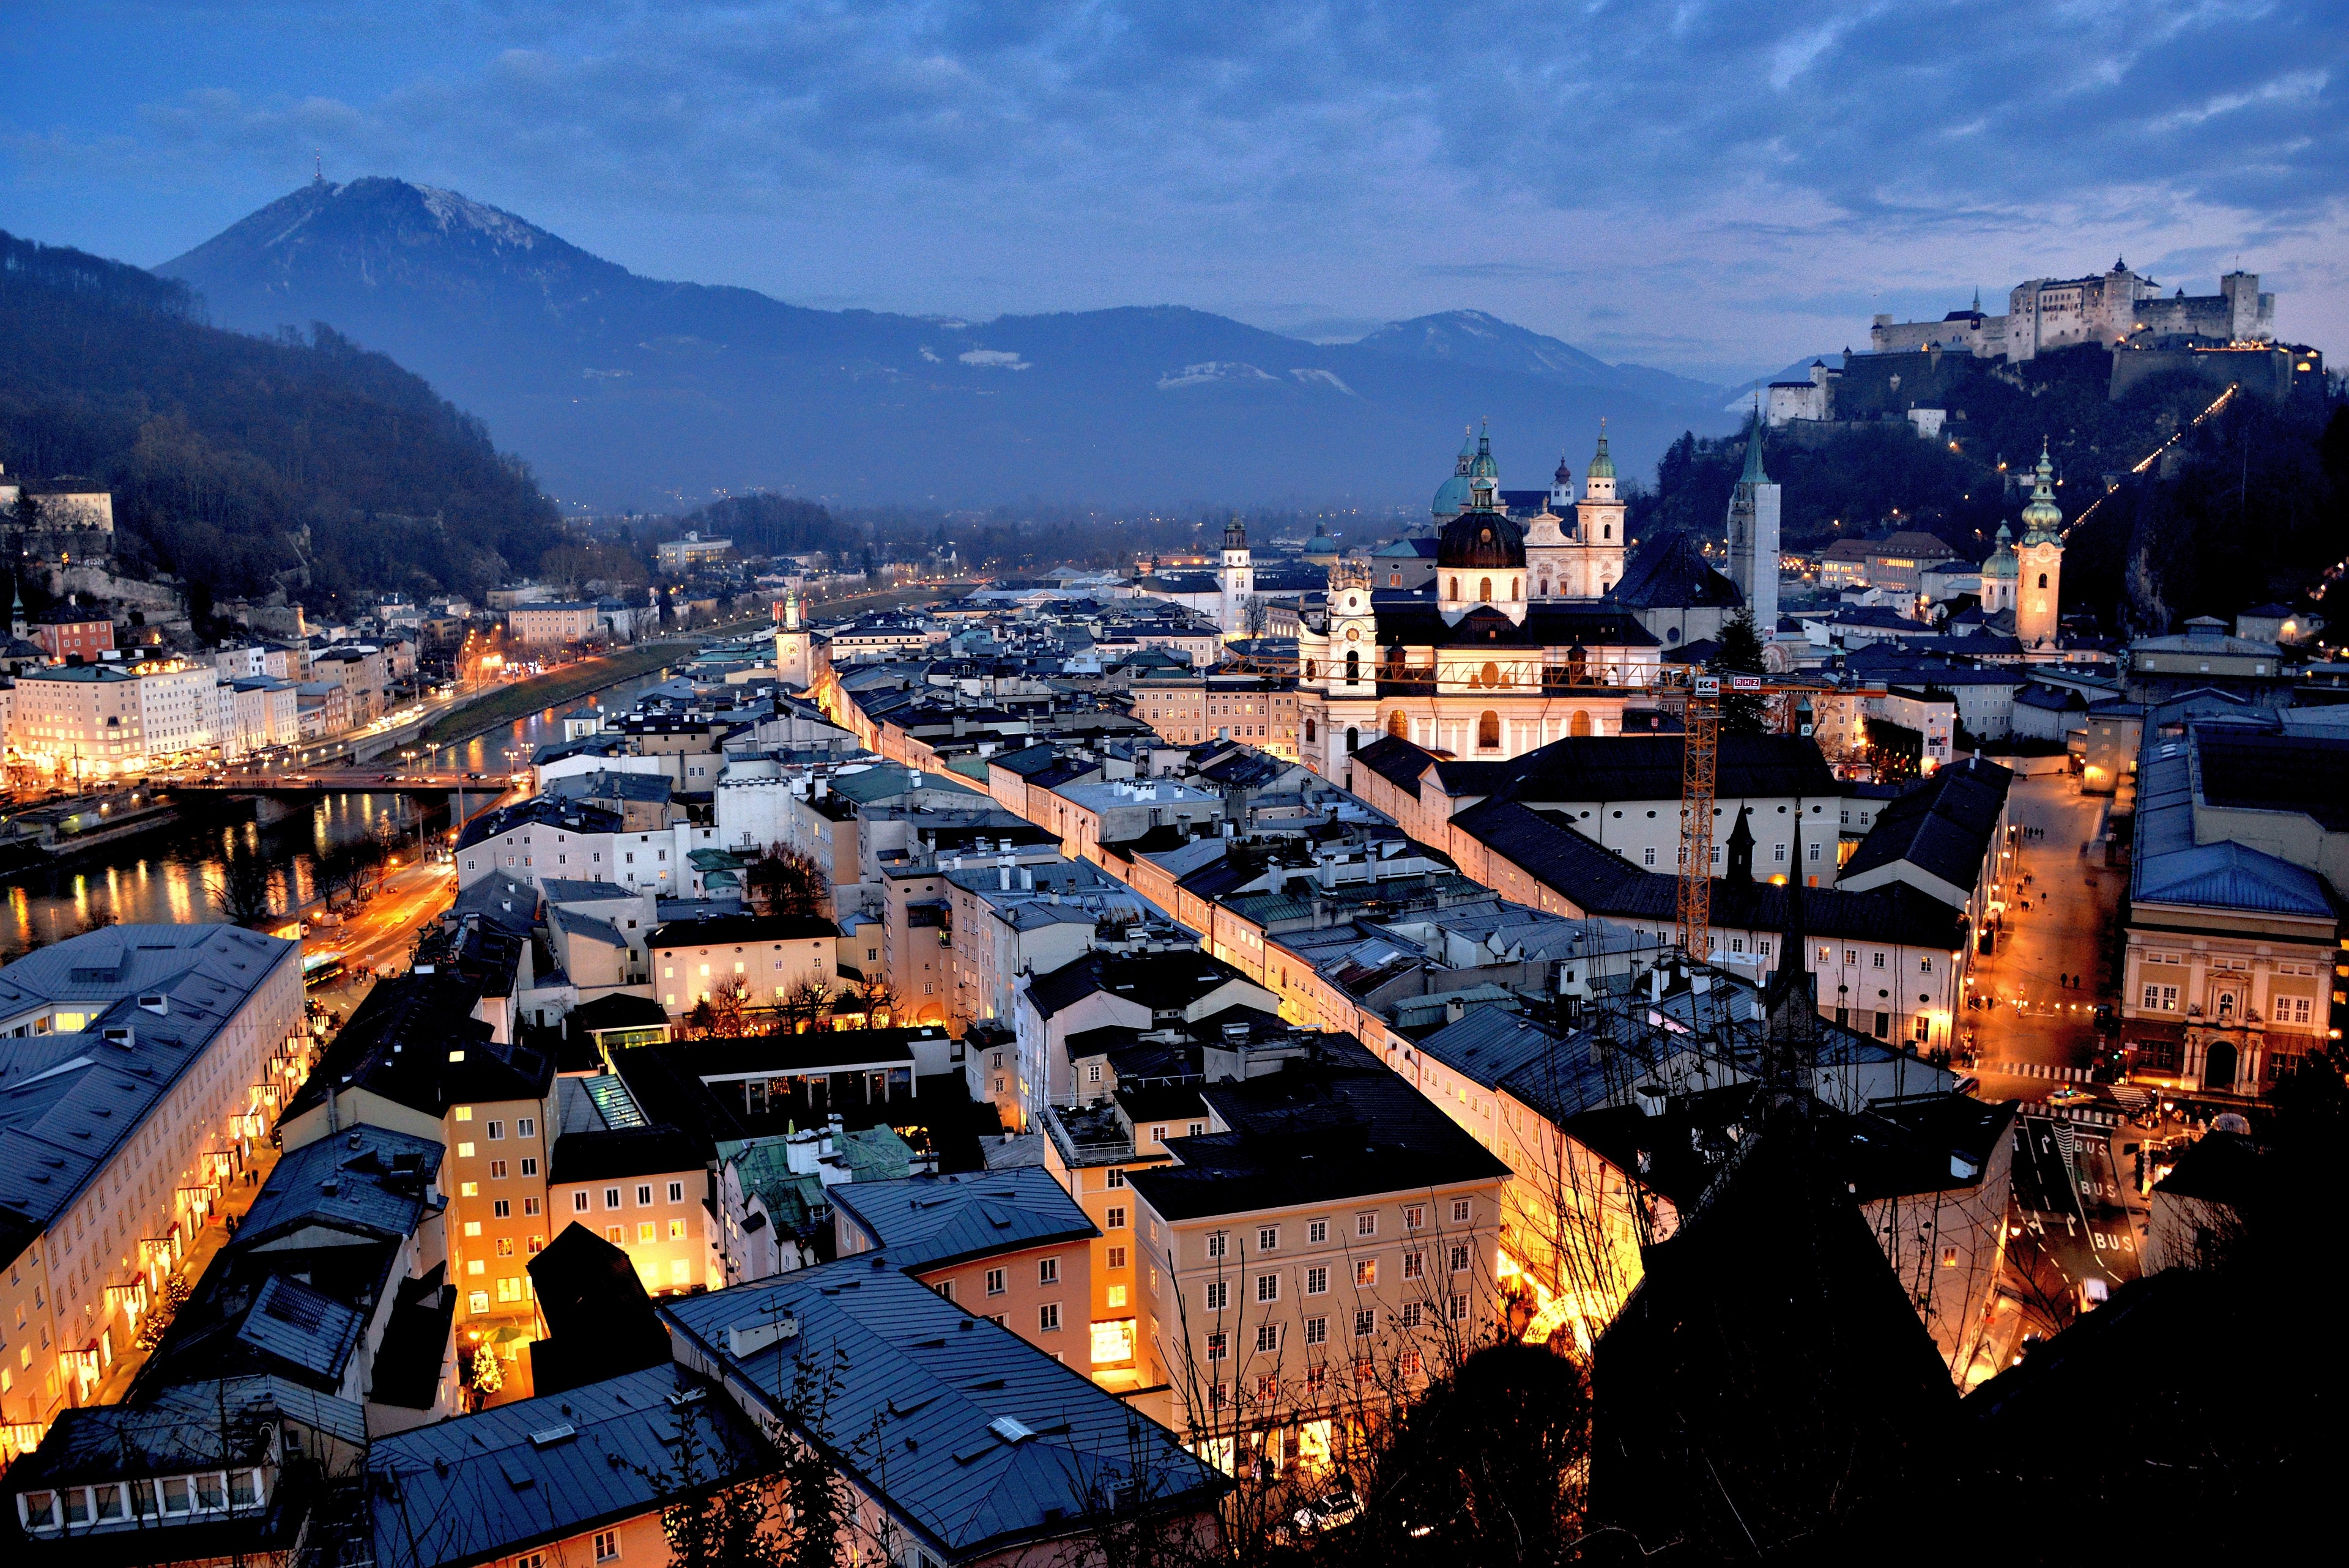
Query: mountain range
[(628, 392)]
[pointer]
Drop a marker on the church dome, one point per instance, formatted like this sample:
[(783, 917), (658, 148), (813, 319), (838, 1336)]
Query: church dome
[(2042, 517), (1451, 498), (2001, 561), (1481, 541)]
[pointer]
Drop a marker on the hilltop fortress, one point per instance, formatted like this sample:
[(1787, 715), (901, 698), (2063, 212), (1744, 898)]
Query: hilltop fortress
[(2109, 308)]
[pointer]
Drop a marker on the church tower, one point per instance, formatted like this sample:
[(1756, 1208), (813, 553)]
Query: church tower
[(792, 663), (2039, 562), (1237, 579), (1753, 535), (1599, 523)]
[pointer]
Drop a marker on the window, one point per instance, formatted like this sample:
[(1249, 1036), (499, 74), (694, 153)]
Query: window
[(647, 1231), (1459, 1258), (1113, 1177), (1648, 856), (2160, 999), (1218, 1294), (1092, 1072), (645, 1196), (530, 1164), (472, 1227), (1048, 1317), (1215, 1345), (1925, 964), (505, 1246), (1317, 1282), (1488, 730), (1366, 1323), (524, 1125), (945, 1288), (464, 1150), (498, 1207), (1117, 1257), (607, 1546), (1157, 1135), (529, 1207), (1410, 1315), (468, 1189), (1408, 1363), (1115, 1219), (611, 1197), (578, 1202), (497, 1169), (1366, 1224), (1216, 1244), (1268, 1287), (1194, 1130), (1267, 1239), (1877, 961), (1366, 1271), (1459, 1210), (497, 1130), (1459, 1307), (677, 1229), (1318, 1232), (1414, 1215), (1415, 1264), (1048, 1271), (995, 1282)]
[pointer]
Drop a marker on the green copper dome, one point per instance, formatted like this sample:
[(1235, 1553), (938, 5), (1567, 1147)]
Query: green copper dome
[(2001, 561), (2042, 517), (1602, 467)]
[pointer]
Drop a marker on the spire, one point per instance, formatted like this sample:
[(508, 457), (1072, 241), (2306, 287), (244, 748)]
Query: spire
[(1468, 451), (1602, 467), (1753, 474), (2042, 517), (1741, 847), (1484, 467), (1565, 475)]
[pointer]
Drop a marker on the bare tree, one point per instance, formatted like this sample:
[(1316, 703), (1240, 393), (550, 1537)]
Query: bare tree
[(241, 889)]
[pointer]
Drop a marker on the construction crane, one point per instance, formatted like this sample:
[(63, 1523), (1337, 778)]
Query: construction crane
[(1700, 760)]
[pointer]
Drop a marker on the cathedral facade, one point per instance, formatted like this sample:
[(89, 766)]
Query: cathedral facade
[(1513, 646)]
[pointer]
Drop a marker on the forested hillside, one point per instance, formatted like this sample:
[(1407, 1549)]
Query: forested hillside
[(2252, 504), (242, 463)]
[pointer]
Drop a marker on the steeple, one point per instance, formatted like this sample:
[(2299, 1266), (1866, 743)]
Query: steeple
[(1485, 467), (1753, 474), (1234, 533), (1790, 1006), (1602, 467), (2042, 517), (1741, 849)]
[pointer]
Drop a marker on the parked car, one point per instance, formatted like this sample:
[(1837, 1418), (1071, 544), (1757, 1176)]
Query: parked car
[(1327, 1513)]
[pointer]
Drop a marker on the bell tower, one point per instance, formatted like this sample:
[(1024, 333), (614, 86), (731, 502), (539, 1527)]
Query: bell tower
[(1236, 578), (1600, 519), (2039, 562), (791, 643), (1753, 534)]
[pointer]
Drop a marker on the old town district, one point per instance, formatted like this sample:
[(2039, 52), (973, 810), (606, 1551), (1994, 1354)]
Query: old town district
[(1045, 1063)]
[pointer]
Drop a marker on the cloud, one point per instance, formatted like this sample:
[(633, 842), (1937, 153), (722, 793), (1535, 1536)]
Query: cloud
[(899, 151)]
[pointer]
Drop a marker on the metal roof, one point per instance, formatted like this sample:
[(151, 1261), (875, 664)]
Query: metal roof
[(306, 1327), (519, 1475), (927, 1221), (69, 1101), (923, 1390)]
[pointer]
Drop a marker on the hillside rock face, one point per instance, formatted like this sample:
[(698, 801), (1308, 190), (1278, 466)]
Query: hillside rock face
[(626, 391)]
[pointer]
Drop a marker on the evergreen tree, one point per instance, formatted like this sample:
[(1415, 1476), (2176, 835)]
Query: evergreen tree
[(1739, 653)]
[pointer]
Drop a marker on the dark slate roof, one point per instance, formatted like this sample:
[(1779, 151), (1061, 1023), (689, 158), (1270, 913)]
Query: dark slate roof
[(399, 1042), (1943, 825), (2223, 1168), (304, 1327), (368, 1180), (599, 1320), (1158, 981), (543, 811), (1769, 1375), (519, 1475), (1599, 881), (977, 1440), (1337, 1125), (1548, 623), (184, 1428), (1396, 760), (738, 929), (1671, 573), (1648, 768), (407, 1368), (625, 1151), (2300, 773), (615, 1010), (930, 1222)]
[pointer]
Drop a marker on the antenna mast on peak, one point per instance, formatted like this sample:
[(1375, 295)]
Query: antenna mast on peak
[(317, 166)]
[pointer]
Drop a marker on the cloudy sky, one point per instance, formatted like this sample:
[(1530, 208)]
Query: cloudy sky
[(1716, 187)]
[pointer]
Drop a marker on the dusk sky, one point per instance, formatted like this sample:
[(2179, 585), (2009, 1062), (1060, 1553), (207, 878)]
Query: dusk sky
[(1712, 188)]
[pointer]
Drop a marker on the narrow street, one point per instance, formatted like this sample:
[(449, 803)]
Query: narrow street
[(2033, 1034)]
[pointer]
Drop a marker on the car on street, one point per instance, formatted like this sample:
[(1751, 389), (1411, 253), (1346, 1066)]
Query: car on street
[(2068, 1095), (1327, 1513)]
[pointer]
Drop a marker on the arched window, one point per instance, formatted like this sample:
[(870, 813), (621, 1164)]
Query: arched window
[(1517, 589), (1608, 531), (1484, 590), (1543, 590), (1488, 730), (2043, 579), (1491, 674), (1354, 740), (1456, 588), (1399, 726), (1354, 665), (1309, 727), (1311, 667), (1577, 663), (1581, 724)]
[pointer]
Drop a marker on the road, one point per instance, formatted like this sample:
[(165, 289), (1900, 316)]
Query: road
[(380, 936), (2034, 1032)]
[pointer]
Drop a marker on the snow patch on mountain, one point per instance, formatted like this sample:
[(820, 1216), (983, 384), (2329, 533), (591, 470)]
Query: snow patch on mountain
[(1212, 370), (454, 211), (994, 358)]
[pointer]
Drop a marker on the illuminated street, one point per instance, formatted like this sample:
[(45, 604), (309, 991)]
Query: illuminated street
[(2067, 930)]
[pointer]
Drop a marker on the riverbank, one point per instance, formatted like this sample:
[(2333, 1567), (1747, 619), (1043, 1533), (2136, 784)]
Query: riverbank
[(551, 690)]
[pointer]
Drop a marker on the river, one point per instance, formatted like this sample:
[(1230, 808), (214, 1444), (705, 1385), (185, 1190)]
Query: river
[(165, 877)]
